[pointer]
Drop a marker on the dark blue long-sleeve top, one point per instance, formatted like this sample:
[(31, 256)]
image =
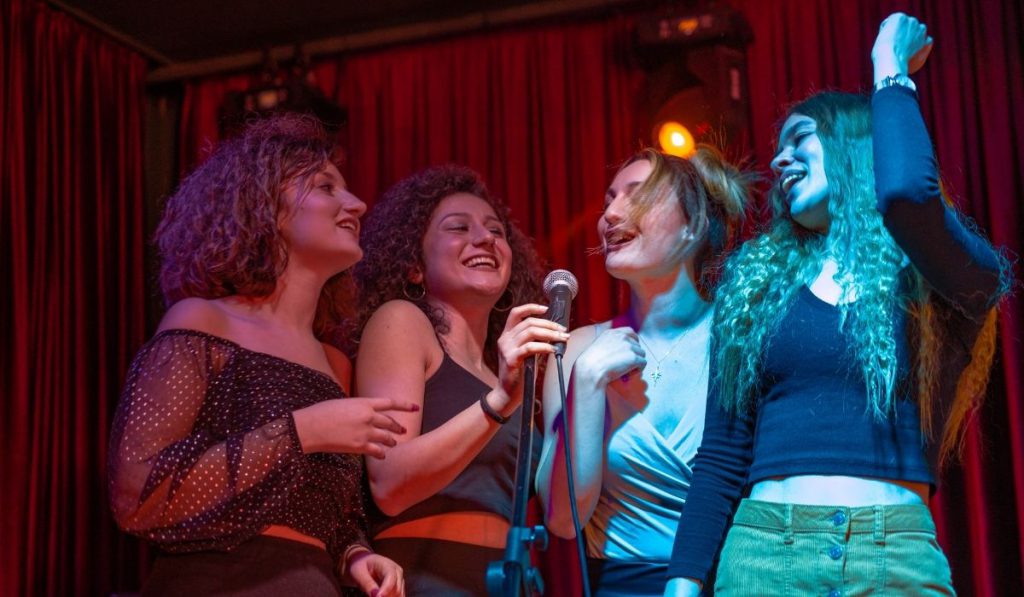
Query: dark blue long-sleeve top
[(811, 417)]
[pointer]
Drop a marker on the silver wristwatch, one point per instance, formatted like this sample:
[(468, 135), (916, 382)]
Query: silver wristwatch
[(901, 80)]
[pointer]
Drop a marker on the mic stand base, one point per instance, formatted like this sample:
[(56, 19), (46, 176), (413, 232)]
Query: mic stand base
[(506, 577)]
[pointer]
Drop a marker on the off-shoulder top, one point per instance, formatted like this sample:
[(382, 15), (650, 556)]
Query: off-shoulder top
[(204, 453)]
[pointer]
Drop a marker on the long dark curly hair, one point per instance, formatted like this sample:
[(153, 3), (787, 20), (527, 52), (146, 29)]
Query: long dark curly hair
[(392, 241), (219, 234)]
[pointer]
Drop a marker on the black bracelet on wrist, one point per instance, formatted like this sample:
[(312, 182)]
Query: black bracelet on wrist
[(490, 412)]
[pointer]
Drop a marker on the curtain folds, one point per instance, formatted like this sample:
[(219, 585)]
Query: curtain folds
[(71, 257)]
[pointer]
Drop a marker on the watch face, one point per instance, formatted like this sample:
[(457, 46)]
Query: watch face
[(901, 80)]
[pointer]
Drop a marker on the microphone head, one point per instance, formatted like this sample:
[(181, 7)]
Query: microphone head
[(561, 277)]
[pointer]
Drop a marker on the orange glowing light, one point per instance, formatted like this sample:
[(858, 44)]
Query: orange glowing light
[(676, 139)]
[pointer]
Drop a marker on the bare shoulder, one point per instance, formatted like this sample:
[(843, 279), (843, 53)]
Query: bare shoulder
[(400, 330), (401, 316), (582, 337), (195, 313)]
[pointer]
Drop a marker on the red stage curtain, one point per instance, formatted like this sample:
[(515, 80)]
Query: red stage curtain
[(71, 266)]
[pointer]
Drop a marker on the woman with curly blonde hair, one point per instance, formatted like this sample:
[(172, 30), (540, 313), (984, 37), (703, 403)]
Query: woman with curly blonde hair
[(235, 448), (447, 321), (853, 338)]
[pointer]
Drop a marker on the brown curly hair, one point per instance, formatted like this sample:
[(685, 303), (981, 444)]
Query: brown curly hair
[(393, 246), (219, 234)]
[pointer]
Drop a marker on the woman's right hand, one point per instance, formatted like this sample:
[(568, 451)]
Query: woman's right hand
[(526, 334), (350, 425), (615, 354)]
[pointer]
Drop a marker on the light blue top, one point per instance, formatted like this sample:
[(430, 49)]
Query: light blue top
[(646, 476)]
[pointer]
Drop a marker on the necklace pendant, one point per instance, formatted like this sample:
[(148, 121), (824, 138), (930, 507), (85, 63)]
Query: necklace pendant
[(656, 376)]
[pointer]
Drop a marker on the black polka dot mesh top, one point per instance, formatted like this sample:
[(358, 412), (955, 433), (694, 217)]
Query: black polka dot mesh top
[(204, 453)]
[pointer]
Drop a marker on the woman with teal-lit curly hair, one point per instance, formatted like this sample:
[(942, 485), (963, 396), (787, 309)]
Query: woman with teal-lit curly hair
[(852, 340)]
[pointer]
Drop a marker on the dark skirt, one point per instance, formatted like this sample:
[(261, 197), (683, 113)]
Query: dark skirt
[(435, 568), (262, 566), (618, 578)]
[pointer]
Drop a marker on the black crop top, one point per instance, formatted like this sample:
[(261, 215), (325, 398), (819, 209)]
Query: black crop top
[(487, 483), (204, 452)]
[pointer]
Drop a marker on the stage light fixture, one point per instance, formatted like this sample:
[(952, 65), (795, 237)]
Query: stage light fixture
[(695, 60), (281, 89)]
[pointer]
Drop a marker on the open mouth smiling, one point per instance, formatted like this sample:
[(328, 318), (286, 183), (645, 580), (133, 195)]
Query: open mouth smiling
[(481, 261), (348, 224), (615, 238), (787, 181)]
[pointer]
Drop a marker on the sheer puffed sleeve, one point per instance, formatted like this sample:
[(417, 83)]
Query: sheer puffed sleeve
[(182, 474)]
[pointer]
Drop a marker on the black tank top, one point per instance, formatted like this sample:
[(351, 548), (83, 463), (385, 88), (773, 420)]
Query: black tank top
[(487, 483)]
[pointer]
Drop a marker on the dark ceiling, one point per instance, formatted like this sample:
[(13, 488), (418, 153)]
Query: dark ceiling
[(190, 30)]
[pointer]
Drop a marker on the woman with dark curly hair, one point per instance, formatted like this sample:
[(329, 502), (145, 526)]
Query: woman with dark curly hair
[(440, 327), (639, 381), (853, 339), (234, 448)]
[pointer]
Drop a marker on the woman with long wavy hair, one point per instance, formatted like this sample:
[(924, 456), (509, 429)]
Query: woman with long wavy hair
[(448, 317), (852, 340), (235, 448)]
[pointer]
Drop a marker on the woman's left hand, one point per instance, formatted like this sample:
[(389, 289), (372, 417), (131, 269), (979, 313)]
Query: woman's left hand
[(376, 575), (902, 46)]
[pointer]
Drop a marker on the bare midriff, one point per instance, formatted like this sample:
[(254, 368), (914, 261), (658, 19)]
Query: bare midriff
[(839, 490), (475, 528)]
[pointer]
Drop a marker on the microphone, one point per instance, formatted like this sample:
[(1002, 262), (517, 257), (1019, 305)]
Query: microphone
[(560, 286)]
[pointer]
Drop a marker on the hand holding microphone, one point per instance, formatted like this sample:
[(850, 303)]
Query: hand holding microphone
[(527, 333), (560, 286)]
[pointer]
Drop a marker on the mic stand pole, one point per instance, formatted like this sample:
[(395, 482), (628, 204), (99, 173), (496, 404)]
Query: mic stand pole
[(515, 575)]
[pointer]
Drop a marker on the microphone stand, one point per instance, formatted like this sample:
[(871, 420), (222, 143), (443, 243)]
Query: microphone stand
[(515, 575)]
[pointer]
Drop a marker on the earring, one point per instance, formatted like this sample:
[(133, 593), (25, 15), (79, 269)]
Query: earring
[(418, 297)]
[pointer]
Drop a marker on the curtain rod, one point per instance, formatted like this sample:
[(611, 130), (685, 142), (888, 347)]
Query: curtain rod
[(381, 37)]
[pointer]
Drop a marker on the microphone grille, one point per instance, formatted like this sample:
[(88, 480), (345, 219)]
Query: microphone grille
[(563, 277)]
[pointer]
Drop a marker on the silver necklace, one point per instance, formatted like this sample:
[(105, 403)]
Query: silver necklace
[(657, 362)]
